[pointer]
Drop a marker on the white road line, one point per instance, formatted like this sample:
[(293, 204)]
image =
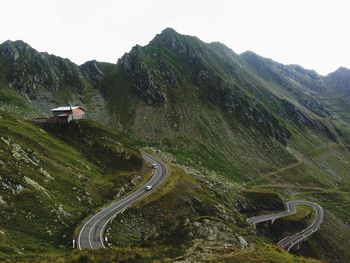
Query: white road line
[(291, 209), (84, 226), (145, 194), (135, 195), (108, 212)]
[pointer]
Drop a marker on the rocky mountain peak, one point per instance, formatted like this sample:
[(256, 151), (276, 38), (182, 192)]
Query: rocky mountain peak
[(91, 70), (14, 49), (136, 68), (34, 72), (166, 35), (341, 72), (340, 79), (169, 31), (169, 38), (19, 44)]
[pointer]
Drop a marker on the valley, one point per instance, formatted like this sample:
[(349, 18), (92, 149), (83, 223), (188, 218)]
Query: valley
[(241, 135)]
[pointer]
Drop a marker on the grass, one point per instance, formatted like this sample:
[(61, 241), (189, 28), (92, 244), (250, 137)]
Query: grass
[(302, 212), (221, 116), (100, 144), (333, 235), (65, 184), (160, 217), (11, 101), (261, 253), (262, 202), (269, 253), (321, 177)]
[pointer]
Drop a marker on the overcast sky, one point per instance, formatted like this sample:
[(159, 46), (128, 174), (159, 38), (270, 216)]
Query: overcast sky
[(311, 33)]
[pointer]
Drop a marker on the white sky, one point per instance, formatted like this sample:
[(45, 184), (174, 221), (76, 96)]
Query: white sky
[(311, 33)]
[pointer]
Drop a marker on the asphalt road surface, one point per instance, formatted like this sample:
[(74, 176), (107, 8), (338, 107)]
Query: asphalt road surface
[(91, 233), (288, 242)]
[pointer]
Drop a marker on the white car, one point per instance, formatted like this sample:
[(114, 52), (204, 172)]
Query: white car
[(155, 166), (148, 187)]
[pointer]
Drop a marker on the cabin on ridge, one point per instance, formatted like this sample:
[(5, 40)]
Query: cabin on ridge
[(63, 115)]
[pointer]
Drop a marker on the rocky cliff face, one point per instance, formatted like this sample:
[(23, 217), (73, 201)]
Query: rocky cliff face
[(30, 71), (178, 78), (142, 76), (92, 71), (172, 61), (46, 81)]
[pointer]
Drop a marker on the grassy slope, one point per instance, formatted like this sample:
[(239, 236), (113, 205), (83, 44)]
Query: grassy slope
[(194, 124), (321, 176), (192, 219), (263, 253), (49, 185), (180, 205), (11, 101), (321, 173), (191, 127), (200, 134)]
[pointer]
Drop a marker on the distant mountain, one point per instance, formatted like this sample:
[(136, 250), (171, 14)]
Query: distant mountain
[(195, 90), (339, 81), (30, 71), (44, 80)]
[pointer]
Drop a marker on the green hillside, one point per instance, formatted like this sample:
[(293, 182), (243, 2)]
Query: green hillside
[(242, 133), (187, 219), (49, 184)]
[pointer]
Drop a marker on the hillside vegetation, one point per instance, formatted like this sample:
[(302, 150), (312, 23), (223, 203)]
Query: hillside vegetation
[(187, 219), (249, 132), (48, 185)]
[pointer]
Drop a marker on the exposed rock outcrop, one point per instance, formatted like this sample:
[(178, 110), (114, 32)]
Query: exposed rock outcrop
[(92, 71), (34, 73), (301, 119), (142, 77)]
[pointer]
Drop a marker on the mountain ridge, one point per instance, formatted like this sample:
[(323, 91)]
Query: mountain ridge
[(167, 30), (242, 127)]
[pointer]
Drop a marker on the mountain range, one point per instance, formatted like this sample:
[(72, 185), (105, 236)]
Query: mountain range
[(242, 133)]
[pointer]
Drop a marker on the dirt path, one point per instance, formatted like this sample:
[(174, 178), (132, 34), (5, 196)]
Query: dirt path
[(300, 160)]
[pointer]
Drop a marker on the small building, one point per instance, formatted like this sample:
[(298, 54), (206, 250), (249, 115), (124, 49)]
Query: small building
[(64, 115)]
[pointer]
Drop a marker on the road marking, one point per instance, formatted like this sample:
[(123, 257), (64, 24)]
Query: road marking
[(156, 180), (84, 226), (101, 237), (291, 209), (145, 194)]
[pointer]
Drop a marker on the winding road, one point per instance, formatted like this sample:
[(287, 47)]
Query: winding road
[(91, 233), (288, 242)]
